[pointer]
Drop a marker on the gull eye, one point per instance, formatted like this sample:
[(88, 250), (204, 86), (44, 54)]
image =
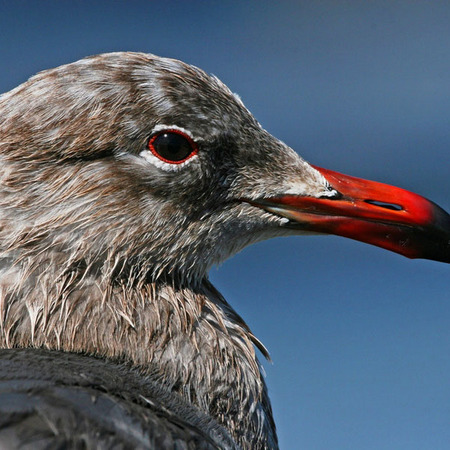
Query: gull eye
[(172, 146)]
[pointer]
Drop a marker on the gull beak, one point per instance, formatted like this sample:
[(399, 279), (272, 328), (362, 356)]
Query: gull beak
[(371, 212)]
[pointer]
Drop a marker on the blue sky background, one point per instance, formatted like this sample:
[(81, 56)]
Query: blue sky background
[(360, 337)]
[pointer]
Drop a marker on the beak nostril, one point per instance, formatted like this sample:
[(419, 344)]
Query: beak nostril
[(385, 205)]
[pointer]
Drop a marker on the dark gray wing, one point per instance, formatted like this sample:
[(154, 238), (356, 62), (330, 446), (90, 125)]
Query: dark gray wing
[(57, 400)]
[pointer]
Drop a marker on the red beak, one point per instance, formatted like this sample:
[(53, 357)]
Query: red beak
[(376, 213)]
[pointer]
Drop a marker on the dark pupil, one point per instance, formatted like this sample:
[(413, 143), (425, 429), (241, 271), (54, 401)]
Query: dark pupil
[(172, 146)]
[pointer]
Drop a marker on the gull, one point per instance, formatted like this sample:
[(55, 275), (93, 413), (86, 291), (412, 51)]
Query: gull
[(124, 178)]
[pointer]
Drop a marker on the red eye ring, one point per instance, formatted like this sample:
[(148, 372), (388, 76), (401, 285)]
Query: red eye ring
[(172, 146)]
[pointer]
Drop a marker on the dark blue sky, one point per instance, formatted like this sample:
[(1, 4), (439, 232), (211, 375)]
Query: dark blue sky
[(360, 337)]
